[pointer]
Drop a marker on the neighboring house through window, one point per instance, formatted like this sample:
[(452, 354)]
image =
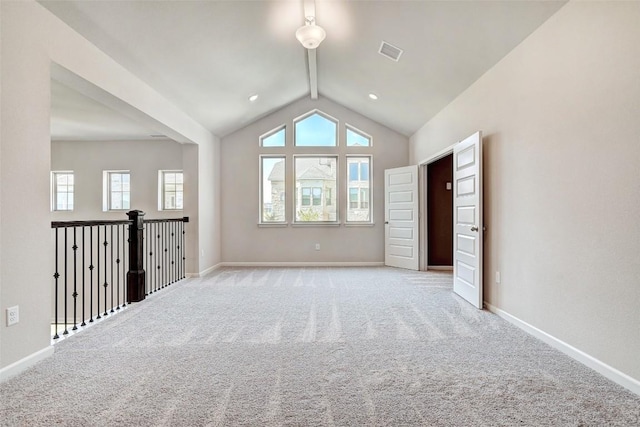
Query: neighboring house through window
[(62, 185)]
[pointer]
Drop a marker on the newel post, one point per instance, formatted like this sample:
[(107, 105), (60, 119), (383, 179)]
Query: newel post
[(136, 274)]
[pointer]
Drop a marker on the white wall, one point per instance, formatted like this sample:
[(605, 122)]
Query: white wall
[(244, 242), (560, 119), (32, 41), (88, 159)]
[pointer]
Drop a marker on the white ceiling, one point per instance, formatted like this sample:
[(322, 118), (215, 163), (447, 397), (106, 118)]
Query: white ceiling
[(208, 57)]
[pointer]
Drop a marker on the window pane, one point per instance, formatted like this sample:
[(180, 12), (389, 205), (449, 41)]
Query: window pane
[(356, 139), (353, 198), (313, 174), (273, 189), (364, 170), (276, 139), (62, 202), (353, 171), (317, 196), (306, 196), (116, 200), (315, 131), (125, 201)]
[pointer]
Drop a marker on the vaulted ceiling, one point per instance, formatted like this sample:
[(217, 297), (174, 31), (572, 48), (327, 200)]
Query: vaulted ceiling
[(208, 57)]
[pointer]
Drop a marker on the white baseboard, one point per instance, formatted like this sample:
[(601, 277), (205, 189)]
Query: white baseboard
[(25, 363), (602, 368), (301, 264), (204, 272)]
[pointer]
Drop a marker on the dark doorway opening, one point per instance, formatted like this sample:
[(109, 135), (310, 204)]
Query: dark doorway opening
[(440, 212)]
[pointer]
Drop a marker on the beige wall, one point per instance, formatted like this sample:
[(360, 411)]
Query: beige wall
[(88, 159), (561, 151), (244, 242), (32, 41)]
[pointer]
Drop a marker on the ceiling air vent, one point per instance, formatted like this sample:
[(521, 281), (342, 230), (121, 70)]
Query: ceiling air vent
[(390, 51)]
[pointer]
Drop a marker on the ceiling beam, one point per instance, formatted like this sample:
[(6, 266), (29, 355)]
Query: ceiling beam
[(310, 10), (313, 73)]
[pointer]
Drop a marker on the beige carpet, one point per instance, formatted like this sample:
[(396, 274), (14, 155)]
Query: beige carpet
[(310, 347)]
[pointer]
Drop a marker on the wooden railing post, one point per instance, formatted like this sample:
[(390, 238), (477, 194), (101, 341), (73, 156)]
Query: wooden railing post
[(136, 274)]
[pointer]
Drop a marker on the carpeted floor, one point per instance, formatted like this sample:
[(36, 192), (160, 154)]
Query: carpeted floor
[(310, 347)]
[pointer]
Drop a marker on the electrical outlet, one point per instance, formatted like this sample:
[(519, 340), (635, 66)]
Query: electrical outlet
[(13, 315), (317, 246), (498, 277)]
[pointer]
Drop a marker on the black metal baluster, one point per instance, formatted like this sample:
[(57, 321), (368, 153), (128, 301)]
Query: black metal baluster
[(106, 284), (83, 284), (98, 271), (75, 282), (91, 267), (166, 255), (56, 275), (118, 265), (184, 270), (112, 282), (125, 257), (178, 252), (66, 332), (149, 245), (172, 275), (158, 258)]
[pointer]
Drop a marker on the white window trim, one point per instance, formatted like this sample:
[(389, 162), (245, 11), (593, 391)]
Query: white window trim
[(106, 191), (161, 191), (54, 191)]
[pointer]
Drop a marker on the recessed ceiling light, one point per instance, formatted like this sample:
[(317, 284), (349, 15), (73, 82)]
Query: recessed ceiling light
[(253, 97), (373, 96)]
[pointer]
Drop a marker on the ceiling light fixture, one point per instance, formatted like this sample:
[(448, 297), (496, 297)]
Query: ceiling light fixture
[(252, 98), (373, 96), (310, 35)]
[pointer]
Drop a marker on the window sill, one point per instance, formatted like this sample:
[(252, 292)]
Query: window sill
[(316, 224), (273, 225), (356, 224)]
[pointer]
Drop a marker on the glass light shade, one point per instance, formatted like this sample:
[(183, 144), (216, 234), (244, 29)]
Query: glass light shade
[(310, 36)]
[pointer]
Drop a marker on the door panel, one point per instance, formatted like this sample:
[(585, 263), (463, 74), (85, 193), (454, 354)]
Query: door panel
[(401, 217), (467, 219)]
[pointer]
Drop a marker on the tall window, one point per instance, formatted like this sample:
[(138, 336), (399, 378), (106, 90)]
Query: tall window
[(315, 130), (62, 191), (316, 181), (171, 190), (359, 184), (117, 190), (272, 194)]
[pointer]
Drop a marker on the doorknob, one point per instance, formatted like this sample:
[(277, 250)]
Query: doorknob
[(474, 228)]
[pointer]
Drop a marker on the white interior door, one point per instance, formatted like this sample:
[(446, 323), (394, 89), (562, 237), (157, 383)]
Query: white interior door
[(401, 217), (467, 219)]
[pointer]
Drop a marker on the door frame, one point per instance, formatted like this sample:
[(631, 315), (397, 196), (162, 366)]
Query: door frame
[(423, 245)]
